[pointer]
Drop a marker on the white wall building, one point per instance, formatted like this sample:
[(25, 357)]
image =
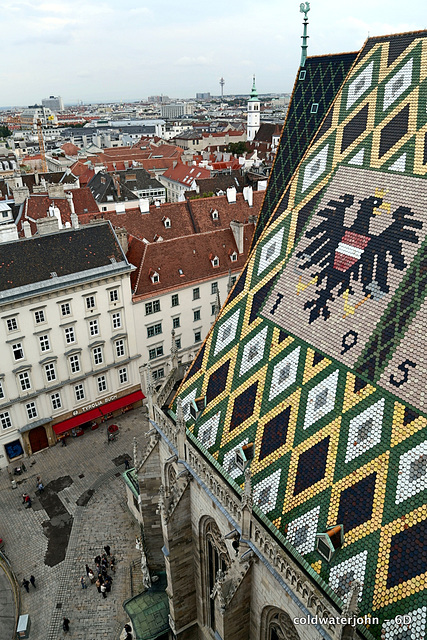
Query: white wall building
[(69, 353)]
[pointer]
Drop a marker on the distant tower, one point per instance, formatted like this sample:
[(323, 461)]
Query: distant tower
[(253, 114), (222, 83), (304, 8)]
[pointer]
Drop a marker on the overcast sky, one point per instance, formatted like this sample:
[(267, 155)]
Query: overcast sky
[(126, 50)]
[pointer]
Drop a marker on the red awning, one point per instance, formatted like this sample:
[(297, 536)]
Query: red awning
[(122, 402), (75, 421)]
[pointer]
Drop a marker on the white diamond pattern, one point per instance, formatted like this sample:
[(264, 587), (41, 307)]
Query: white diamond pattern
[(227, 332), (321, 399), (253, 351), (365, 430), (284, 373)]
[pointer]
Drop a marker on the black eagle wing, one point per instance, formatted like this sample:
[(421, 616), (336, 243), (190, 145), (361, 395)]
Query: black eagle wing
[(388, 243), (326, 235)]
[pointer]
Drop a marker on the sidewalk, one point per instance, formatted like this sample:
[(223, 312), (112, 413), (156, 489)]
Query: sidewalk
[(82, 509)]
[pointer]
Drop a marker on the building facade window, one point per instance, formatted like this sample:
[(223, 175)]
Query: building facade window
[(31, 410), (65, 309), (24, 380), (56, 401), (233, 280), (5, 420), (155, 352), (152, 307), (178, 343), (216, 559), (2, 393), (70, 335), (44, 343), (196, 293), (123, 375), (90, 302), (50, 371), (18, 351), (12, 324), (93, 327), (196, 315), (158, 374), (39, 316), (176, 323), (79, 392), (214, 287), (154, 330), (98, 357), (74, 363), (102, 384), (197, 336), (114, 295), (213, 309), (175, 300), (120, 348), (117, 320)]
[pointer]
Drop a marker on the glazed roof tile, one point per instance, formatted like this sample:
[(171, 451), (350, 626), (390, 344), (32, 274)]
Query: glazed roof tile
[(324, 335)]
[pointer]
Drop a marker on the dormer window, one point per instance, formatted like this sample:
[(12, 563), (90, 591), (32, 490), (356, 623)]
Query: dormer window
[(214, 260), (155, 277), (214, 214), (233, 256), (167, 222)]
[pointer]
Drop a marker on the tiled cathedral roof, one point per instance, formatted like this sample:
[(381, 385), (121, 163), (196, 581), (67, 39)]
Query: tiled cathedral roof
[(319, 355), (319, 85)]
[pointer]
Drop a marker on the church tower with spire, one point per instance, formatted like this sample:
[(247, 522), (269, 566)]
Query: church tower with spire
[(253, 114)]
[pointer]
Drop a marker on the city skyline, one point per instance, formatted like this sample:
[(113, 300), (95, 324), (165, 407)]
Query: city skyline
[(110, 51)]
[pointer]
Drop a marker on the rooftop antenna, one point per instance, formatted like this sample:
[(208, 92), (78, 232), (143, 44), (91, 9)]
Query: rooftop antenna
[(304, 8), (222, 83)]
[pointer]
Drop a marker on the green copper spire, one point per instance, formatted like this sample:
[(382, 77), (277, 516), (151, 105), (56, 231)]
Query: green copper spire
[(254, 94), (304, 8)]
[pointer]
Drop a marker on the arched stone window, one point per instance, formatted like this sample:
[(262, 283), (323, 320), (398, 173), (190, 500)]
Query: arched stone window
[(170, 477), (216, 558), (278, 625)]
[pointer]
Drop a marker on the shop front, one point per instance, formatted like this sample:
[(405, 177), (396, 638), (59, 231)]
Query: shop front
[(90, 416), (37, 435)]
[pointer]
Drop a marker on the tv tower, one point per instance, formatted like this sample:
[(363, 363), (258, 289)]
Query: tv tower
[(222, 83)]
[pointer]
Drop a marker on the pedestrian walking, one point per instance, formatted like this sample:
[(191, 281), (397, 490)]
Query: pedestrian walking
[(98, 560), (91, 576), (26, 584), (65, 624), (98, 585), (127, 628), (127, 465), (107, 549), (40, 487), (104, 590), (88, 569), (33, 581), (83, 582), (128, 636), (113, 564)]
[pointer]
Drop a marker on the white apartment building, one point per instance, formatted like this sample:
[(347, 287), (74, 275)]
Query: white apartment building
[(69, 356), (189, 312)]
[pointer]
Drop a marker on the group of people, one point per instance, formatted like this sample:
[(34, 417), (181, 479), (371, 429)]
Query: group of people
[(26, 499), (26, 583), (101, 577)]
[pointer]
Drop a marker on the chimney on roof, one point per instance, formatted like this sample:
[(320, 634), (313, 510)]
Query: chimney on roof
[(36, 177), (74, 220), (69, 197), (27, 229), (20, 194), (122, 237), (55, 190), (47, 225), (116, 181), (8, 232), (248, 195), (231, 195), (237, 229), (144, 205)]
